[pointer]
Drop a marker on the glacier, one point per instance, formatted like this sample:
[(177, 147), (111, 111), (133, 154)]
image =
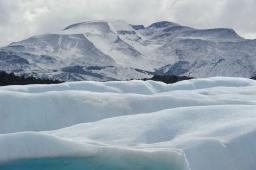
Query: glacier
[(199, 124)]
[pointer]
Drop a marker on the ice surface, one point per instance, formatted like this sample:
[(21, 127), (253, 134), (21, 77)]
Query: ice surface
[(201, 124)]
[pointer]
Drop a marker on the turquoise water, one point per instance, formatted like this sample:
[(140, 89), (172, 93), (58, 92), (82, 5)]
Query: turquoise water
[(86, 164)]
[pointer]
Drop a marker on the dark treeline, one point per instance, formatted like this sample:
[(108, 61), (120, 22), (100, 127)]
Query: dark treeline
[(174, 79), (169, 79), (12, 79)]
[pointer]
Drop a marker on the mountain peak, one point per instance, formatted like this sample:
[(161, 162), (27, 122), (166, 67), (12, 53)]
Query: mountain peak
[(138, 27), (84, 23), (162, 24), (99, 27)]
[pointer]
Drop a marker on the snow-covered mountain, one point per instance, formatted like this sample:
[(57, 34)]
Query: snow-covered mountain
[(116, 50)]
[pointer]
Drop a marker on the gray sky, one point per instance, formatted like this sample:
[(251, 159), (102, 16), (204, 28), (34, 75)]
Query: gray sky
[(20, 19)]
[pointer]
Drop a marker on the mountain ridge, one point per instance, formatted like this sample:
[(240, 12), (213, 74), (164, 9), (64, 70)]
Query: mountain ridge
[(120, 49)]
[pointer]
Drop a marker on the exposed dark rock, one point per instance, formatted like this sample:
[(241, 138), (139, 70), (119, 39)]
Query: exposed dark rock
[(138, 27)]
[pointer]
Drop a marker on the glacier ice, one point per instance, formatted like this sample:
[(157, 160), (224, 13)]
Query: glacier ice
[(201, 124)]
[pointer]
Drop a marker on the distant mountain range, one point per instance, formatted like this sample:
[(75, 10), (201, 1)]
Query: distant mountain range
[(116, 50)]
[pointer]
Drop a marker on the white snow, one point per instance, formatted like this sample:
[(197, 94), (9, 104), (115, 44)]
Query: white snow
[(164, 48), (201, 124), (99, 27)]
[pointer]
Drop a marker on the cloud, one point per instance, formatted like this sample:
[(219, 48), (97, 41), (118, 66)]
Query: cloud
[(22, 18), (236, 14)]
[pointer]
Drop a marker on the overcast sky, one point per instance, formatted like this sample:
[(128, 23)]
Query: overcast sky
[(20, 19)]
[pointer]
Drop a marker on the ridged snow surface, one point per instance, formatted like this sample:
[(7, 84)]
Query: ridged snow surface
[(202, 124)]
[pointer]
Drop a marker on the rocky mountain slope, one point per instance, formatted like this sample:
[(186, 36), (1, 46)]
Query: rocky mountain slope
[(116, 50)]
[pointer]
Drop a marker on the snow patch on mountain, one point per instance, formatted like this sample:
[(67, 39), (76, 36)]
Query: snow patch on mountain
[(161, 48)]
